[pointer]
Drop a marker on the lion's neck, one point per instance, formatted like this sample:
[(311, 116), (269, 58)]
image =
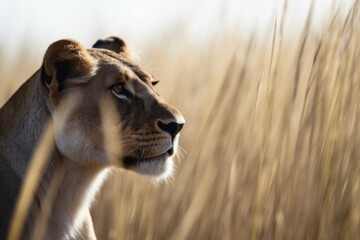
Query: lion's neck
[(76, 192), (69, 189), (22, 122)]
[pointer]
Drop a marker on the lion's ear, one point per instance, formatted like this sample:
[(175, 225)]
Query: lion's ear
[(114, 44), (66, 63)]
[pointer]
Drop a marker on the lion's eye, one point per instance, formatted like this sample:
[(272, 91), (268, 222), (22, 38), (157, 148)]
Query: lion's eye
[(120, 92), (118, 89)]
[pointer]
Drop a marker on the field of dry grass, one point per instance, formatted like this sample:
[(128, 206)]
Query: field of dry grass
[(271, 143)]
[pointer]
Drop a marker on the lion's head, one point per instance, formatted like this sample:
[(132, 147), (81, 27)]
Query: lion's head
[(146, 127)]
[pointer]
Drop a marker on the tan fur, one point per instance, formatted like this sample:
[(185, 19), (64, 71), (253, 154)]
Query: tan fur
[(129, 126)]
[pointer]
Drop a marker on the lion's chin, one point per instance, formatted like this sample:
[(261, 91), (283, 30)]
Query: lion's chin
[(159, 168)]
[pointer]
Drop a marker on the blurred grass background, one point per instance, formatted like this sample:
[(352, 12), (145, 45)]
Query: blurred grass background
[(271, 143)]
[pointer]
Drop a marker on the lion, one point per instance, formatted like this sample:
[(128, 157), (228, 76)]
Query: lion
[(104, 112)]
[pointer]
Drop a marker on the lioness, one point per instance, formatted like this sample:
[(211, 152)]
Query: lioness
[(107, 88)]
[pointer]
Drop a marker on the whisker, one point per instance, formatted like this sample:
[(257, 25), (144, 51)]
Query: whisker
[(182, 149)]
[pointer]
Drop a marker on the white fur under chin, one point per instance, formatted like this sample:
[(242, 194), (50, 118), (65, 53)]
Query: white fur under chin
[(159, 170)]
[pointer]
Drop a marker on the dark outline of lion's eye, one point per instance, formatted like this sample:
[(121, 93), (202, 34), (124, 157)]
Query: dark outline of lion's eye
[(120, 90), (154, 82)]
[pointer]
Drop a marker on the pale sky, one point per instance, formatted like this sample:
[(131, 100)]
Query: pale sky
[(140, 21)]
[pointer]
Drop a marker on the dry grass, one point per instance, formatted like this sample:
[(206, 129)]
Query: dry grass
[(271, 139)]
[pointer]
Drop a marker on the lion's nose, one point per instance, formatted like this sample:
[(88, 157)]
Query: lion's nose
[(173, 127)]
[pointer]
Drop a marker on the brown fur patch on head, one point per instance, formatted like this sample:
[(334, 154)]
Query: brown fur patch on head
[(115, 44), (67, 59)]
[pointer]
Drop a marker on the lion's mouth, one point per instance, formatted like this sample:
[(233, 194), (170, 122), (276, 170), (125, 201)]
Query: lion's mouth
[(133, 161)]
